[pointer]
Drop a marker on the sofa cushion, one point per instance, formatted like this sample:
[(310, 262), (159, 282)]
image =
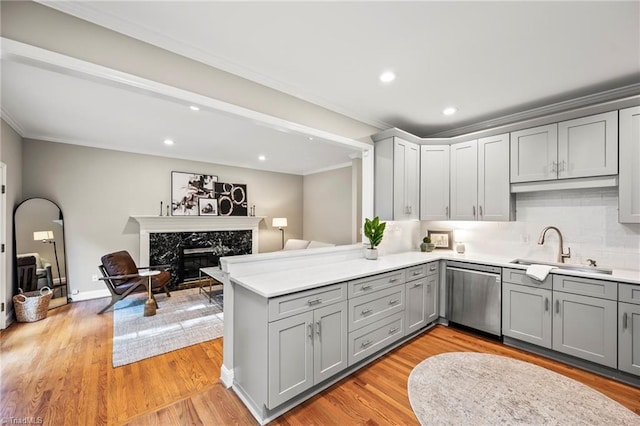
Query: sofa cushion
[(318, 244), (293, 244)]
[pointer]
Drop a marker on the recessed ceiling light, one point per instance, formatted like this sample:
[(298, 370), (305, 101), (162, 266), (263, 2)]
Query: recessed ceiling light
[(387, 76), (450, 110), (168, 142), (262, 158), (194, 108), (310, 138)]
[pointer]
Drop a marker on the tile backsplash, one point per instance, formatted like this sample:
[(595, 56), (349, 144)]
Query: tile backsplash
[(588, 219)]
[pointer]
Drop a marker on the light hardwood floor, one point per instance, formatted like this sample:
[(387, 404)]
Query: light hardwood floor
[(60, 369)]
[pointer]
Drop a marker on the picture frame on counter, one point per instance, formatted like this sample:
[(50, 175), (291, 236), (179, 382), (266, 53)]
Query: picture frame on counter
[(443, 239)]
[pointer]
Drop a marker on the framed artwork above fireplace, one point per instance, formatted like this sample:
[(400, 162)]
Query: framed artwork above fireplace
[(186, 191)]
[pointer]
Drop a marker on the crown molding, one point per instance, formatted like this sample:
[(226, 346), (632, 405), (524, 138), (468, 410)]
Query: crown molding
[(8, 118)]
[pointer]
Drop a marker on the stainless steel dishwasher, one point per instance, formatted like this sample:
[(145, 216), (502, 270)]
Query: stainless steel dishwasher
[(474, 294)]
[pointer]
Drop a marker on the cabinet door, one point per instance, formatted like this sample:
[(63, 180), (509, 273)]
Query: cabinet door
[(588, 146), (586, 327), (494, 192), (434, 182), (330, 344), (432, 285), (416, 305), (534, 154), (629, 338), (464, 180), (629, 186), (526, 314), (290, 357), (406, 172)]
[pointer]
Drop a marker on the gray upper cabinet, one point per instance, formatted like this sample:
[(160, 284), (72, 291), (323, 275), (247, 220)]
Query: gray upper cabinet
[(434, 182), (583, 147), (480, 180), (397, 179), (629, 186)]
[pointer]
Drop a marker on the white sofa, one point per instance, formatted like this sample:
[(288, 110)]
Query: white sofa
[(294, 244)]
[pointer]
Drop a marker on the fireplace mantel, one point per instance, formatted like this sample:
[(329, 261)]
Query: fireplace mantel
[(151, 224)]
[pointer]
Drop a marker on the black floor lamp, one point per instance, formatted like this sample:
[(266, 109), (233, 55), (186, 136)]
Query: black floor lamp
[(280, 223), (47, 237)]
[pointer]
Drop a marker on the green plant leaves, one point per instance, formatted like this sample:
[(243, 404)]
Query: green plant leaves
[(374, 230)]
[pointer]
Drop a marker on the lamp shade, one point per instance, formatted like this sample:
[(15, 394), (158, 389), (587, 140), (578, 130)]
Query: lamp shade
[(43, 235), (279, 222)]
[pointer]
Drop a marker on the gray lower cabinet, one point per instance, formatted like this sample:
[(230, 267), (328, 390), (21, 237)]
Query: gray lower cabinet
[(305, 349), (422, 299), (585, 327), (629, 338), (526, 314)]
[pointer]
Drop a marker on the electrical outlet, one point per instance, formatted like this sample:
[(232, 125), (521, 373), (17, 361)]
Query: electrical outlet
[(94, 278), (76, 291)]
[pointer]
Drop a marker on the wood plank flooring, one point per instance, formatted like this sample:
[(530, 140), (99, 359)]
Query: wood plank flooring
[(59, 369)]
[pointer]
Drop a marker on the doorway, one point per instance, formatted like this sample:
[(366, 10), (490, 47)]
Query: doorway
[(4, 275)]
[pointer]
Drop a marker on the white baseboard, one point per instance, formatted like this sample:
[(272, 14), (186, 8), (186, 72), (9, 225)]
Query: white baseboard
[(88, 295), (226, 376)]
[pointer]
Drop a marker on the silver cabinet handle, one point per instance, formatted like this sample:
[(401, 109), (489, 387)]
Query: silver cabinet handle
[(366, 311), (318, 328), (554, 167), (393, 280), (433, 268), (310, 330), (474, 211), (546, 304), (314, 301), (557, 306), (366, 343), (446, 211), (564, 166), (480, 209), (428, 288), (365, 287), (417, 284), (393, 330), (394, 301), (416, 273), (624, 321)]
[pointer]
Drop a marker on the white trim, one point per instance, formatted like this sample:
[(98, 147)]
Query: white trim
[(89, 295), (327, 169), (553, 185), (4, 275), (26, 53), (151, 224), (8, 118)]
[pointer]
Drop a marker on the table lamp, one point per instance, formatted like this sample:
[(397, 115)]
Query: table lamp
[(280, 223)]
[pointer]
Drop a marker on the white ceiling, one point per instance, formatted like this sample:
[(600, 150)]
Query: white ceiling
[(488, 59)]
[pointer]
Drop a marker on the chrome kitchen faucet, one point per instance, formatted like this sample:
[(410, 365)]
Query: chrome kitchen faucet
[(561, 254)]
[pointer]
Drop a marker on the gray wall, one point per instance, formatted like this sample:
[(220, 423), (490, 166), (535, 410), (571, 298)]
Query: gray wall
[(98, 190), (11, 155), (328, 206)]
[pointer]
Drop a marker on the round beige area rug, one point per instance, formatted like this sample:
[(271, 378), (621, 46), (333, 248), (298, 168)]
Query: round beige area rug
[(468, 388)]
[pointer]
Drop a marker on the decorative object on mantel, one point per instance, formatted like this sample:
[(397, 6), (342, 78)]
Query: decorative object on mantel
[(232, 199), (475, 388), (441, 239), (427, 245), (280, 223), (374, 231), (160, 208), (187, 189)]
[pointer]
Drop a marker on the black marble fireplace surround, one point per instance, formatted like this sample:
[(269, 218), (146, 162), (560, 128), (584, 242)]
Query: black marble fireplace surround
[(186, 252)]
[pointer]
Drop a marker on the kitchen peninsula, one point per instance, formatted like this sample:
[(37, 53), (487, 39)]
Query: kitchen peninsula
[(298, 322)]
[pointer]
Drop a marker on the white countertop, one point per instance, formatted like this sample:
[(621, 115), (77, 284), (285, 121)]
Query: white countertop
[(272, 284)]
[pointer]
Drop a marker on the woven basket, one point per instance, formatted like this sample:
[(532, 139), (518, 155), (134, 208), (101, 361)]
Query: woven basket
[(32, 305)]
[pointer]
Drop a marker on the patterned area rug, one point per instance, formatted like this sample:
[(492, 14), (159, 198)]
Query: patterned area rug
[(468, 388), (184, 319)]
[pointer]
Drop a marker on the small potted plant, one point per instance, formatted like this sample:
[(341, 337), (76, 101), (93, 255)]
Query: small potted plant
[(373, 230), (427, 245)]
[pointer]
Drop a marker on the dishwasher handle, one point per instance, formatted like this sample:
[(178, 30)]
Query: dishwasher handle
[(473, 271)]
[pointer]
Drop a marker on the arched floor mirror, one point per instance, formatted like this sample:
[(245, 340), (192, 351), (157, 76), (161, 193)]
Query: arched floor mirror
[(39, 247)]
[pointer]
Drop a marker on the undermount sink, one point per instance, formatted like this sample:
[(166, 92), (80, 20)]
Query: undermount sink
[(579, 268)]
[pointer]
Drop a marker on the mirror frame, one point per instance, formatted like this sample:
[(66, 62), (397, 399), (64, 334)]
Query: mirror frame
[(59, 246)]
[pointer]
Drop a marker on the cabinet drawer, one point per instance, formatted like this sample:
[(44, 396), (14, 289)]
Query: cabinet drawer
[(416, 272), (368, 285), (375, 337), (629, 293), (586, 286), (432, 268), (519, 276), (365, 310), (296, 303)]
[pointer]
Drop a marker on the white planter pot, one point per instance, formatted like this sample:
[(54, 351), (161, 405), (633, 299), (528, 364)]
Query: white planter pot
[(371, 254)]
